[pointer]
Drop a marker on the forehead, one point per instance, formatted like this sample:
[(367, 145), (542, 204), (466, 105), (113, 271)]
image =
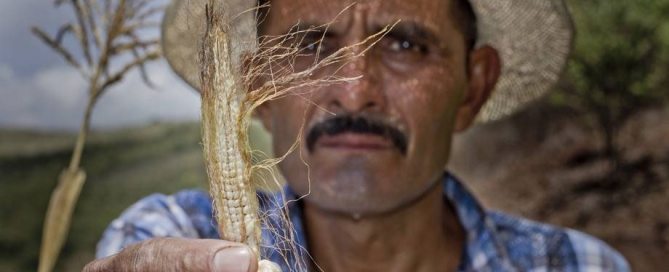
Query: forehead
[(431, 14)]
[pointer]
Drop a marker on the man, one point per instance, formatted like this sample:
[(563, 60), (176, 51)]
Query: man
[(375, 196)]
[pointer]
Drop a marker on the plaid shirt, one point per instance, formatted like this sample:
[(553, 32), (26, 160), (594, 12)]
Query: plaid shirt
[(494, 242)]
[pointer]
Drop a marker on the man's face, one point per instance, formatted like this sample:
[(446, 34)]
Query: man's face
[(381, 139)]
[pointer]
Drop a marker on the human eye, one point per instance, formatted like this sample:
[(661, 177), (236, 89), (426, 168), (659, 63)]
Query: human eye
[(407, 43), (310, 45), (311, 40), (405, 50), (313, 46), (406, 46)]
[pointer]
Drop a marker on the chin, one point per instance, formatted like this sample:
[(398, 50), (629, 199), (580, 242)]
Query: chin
[(357, 186)]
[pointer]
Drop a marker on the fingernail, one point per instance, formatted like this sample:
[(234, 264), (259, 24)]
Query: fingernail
[(232, 259)]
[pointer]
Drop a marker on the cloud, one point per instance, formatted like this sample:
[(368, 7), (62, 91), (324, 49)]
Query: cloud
[(171, 99), (46, 100), (20, 49), (55, 97), (38, 90), (6, 72)]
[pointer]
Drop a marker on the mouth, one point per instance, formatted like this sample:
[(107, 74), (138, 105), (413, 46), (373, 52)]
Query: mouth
[(356, 133), (355, 142)]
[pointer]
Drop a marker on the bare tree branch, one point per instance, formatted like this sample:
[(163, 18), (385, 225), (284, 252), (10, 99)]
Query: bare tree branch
[(142, 68), (112, 33), (133, 7), (92, 24), (125, 47), (134, 38), (83, 31), (61, 33), (150, 12), (139, 25), (57, 47), (137, 7), (116, 77), (117, 22), (112, 28)]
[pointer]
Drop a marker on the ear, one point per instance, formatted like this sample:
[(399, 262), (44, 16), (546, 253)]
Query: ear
[(483, 71)]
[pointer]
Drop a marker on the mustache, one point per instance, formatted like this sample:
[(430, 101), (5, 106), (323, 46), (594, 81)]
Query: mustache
[(357, 124)]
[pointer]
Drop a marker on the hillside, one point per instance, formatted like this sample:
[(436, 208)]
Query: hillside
[(122, 167), (542, 163)]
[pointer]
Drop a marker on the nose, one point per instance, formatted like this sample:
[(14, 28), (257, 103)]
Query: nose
[(361, 91)]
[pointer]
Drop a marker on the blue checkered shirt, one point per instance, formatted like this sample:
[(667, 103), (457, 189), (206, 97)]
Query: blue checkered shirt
[(495, 241)]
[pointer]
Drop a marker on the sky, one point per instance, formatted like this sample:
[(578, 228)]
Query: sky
[(38, 90)]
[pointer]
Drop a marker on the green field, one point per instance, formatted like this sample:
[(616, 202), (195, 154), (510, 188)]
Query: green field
[(122, 167)]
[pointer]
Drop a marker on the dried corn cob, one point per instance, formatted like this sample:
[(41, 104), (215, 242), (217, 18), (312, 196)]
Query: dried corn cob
[(225, 119)]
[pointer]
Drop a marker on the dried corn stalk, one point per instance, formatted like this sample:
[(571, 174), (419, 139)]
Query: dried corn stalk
[(104, 31)]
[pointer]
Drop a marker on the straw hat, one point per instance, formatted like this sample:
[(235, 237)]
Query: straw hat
[(533, 38)]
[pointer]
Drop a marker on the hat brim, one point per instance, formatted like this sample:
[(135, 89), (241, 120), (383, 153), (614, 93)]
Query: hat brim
[(183, 28), (534, 39)]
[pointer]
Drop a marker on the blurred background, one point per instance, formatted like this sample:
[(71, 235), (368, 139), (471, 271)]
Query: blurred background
[(593, 155)]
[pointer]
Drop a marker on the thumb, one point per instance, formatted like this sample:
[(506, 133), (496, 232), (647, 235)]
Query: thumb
[(178, 254), (237, 258)]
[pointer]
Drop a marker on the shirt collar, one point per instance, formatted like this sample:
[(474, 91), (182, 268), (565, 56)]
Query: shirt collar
[(482, 252)]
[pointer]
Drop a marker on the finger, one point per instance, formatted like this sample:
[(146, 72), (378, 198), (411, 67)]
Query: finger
[(234, 259), (99, 265), (175, 254)]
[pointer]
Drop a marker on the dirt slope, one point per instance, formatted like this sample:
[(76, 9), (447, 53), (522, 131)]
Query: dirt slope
[(546, 165)]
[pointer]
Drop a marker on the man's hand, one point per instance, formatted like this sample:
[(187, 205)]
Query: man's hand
[(177, 254)]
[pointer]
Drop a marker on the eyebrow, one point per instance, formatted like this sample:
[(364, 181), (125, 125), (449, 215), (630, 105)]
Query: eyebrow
[(401, 30), (308, 28), (411, 31)]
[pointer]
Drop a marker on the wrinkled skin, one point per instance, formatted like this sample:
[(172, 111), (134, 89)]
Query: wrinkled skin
[(418, 84), (368, 204)]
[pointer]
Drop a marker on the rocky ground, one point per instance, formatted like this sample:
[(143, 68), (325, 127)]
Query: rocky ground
[(548, 165)]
